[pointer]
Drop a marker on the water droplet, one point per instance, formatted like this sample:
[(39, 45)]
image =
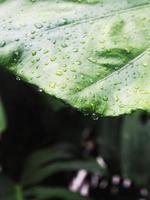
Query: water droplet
[(73, 70), (52, 85), (17, 39), (86, 114), (117, 98), (75, 50), (145, 64), (33, 61), (39, 90), (46, 63), (32, 37), (105, 98), (46, 51), (2, 43), (95, 116), (33, 53), (64, 45), (39, 26), (53, 58), (78, 62), (75, 77), (16, 53), (32, 32), (92, 106), (64, 70), (38, 59), (54, 42), (59, 73), (17, 78)]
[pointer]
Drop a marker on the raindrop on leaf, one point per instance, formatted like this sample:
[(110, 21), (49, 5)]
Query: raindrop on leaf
[(59, 73), (2, 43), (52, 85), (39, 26), (33, 53), (95, 116)]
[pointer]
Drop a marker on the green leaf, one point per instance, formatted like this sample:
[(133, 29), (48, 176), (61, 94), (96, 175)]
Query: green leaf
[(44, 163), (46, 193), (93, 55), (46, 157), (108, 140), (135, 143), (62, 166), (8, 189), (2, 118)]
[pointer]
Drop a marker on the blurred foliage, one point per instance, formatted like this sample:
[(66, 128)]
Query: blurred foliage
[(10, 191), (7, 188), (34, 172), (2, 118), (45, 147), (135, 144)]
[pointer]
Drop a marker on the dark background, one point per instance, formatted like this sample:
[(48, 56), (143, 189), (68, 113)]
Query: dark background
[(37, 121)]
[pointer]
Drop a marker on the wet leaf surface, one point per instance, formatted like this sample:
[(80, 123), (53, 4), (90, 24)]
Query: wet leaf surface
[(94, 55)]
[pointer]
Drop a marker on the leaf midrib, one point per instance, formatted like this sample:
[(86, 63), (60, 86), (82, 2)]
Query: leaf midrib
[(92, 19), (117, 71)]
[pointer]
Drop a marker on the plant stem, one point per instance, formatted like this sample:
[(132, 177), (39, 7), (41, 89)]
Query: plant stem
[(19, 194)]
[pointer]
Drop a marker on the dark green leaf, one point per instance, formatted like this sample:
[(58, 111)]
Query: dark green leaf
[(41, 193), (2, 118), (50, 169), (8, 189), (135, 145)]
